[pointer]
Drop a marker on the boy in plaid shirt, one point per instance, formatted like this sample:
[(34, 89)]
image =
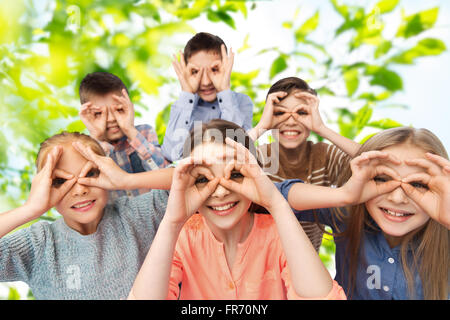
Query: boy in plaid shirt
[(108, 114)]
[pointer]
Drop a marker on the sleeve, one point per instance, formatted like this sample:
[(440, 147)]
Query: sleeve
[(176, 275), (323, 216), (180, 123), (20, 252), (336, 160), (237, 108), (147, 146), (147, 209)]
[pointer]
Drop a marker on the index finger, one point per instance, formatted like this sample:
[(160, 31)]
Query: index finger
[(85, 151)]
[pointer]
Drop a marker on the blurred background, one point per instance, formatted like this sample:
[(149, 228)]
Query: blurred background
[(376, 64)]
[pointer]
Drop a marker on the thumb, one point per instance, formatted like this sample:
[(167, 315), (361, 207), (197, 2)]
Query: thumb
[(90, 182)]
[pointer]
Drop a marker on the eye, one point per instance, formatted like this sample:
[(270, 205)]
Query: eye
[(381, 179), (278, 113), (97, 114), (93, 173), (302, 112), (194, 72), (236, 175), (58, 182), (419, 185), (201, 180), (215, 69), (120, 110)]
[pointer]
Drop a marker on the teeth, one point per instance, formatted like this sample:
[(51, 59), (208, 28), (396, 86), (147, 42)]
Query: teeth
[(226, 207), (83, 204), (396, 214), (290, 133)]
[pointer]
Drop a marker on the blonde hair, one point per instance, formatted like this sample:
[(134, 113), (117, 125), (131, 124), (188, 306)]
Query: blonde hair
[(65, 138), (430, 244)]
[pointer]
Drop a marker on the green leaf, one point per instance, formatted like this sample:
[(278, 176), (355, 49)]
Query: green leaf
[(414, 24), (385, 6), (363, 116), (306, 28), (382, 48), (340, 8), (278, 65), (351, 79), (384, 124), (13, 294), (381, 76), (425, 47)]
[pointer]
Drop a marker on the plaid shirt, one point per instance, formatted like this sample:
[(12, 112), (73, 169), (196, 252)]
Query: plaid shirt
[(148, 149)]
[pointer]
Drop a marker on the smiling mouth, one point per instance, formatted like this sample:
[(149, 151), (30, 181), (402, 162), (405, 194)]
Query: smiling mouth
[(223, 209), (83, 206), (290, 134), (396, 213), (207, 91)]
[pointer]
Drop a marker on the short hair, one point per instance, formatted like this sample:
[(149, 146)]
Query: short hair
[(65, 138), (100, 83), (203, 41), (289, 85)]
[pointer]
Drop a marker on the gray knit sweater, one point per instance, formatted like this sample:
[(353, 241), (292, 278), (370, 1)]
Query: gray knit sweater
[(59, 263)]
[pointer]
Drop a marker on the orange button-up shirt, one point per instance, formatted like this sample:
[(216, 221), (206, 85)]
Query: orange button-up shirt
[(259, 272)]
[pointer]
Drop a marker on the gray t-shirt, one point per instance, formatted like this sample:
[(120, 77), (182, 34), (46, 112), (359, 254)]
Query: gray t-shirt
[(59, 263)]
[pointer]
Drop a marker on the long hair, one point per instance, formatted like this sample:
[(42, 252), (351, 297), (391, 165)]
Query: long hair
[(428, 244)]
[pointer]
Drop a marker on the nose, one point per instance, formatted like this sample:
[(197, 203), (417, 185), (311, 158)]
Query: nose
[(79, 190), (205, 80), (220, 192), (397, 196), (110, 115), (291, 120)]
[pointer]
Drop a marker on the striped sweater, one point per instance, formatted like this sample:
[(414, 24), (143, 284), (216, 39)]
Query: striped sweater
[(315, 163)]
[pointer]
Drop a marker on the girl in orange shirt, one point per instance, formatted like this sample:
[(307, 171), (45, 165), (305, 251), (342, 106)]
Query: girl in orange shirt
[(227, 251)]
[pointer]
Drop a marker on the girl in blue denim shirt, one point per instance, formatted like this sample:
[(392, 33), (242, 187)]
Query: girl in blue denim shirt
[(392, 242)]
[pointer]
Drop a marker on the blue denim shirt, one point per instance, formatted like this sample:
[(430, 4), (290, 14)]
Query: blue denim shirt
[(379, 274), (189, 108)]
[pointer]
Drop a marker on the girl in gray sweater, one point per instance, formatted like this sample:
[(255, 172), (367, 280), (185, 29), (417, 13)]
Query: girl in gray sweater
[(95, 250)]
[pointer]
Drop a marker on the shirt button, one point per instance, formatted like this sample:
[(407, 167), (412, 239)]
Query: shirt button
[(186, 122), (386, 288), (230, 285), (129, 193), (191, 101), (391, 260), (213, 107), (220, 99)]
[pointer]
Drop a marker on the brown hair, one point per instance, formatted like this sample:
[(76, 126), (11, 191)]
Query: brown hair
[(100, 83), (203, 41), (430, 244), (289, 85), (65, 138)]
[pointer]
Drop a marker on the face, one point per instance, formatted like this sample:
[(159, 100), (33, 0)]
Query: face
[(395, 213), (206, 89), (113, 131), (82, 207), (224, 209), (291, 132)]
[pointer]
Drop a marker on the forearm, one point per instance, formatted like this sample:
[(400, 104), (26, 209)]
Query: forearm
[(12, 219), (155, 179), (152, 281), (303, 196), (347, 145), (309, 276)]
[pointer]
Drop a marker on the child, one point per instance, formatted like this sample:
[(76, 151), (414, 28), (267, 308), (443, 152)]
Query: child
[(108, 114), (95, 250), (291, 111), (394, 245), (204, 72), (227, 251)]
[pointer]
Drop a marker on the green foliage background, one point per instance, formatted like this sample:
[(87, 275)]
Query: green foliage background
[(45, 50)]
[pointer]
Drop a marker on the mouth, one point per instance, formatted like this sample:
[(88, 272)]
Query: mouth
[(208, 91), (290, 134), (114, 129), (396, 215), (83, 206), (223, 209)]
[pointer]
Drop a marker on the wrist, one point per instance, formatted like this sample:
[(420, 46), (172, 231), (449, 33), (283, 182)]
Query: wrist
[(28, 213), (130, 132)]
